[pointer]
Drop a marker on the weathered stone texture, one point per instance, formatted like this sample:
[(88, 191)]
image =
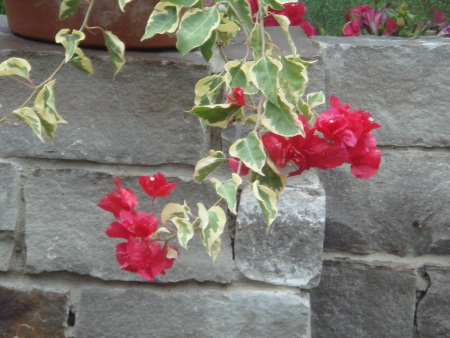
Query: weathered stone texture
[(291, 253), (139, 118), (6, 249), (403, 82), (65, 230), (32, 314), (8, 196), (433, 313), (358, 300), (403, 210), (192, 312)]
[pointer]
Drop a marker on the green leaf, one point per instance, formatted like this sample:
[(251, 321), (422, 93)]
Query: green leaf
[(208, 164), (196, 27), (226, 30), (122, 4), (267, 200), (68, 7), (284, 24), (240, 10), (305, 110), (182, 3), (218, 115), (15, 66), (280, 119), (45, 105), (81, 62), (315, 99), (212, 226), (228, 190), (237, 76), (165, 17), (260, 46), (29, 116), (208, 89), (116, 50), (275, 4), (250, 150), (272, 178), (70, 41), (207, 48), (173, 209), (264, 75), (293, 78), (185, 230)]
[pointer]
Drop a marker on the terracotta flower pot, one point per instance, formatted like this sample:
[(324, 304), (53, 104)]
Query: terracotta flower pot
[(38, 19)]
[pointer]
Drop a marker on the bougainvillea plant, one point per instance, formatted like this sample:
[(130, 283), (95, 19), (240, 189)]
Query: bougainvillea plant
[(367, 20), (265, 92)]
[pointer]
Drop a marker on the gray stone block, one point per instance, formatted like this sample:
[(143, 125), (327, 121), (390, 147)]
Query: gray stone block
[(8, 196), (403, 210), (291, 253), (138, 118), (404, 83), (433, 312), (6, 249), (65, 230), (198, 311), (359, 300), (32, 313)]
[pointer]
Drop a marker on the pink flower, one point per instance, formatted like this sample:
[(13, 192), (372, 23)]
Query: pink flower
[(294, 11), (438, 17), (121, 199), (365, 157), (352, 28), (391, 27), (156, 185), (238, 96), (147, 258), (357, 12), (137, 224)]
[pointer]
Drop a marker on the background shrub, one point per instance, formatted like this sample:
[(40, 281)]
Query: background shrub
[(330, 13)]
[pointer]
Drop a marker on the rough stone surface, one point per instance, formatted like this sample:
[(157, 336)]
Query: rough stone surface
[(403, 210), (291, 254), (8, 193), (139, 118), (177, 312), (6, 249), (32, 314), (359, 300), (403, 82), (433, 314), (65, 230)]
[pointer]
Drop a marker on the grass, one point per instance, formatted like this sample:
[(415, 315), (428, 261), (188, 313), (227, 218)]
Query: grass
[(330, 14)]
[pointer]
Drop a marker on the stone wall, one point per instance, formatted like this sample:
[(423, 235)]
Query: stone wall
[(387, 240)]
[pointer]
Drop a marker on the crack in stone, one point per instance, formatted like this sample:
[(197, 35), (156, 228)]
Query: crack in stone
[(420, 295)]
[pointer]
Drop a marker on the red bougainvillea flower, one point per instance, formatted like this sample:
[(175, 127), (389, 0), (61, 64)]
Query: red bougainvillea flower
[(437, 17), (156, 185), (147, 258), (137, 224), (233, 162), (338, 136), (238, 96), (121, 199), (352, 28), (294, 11), (391, 27), (357, 12)]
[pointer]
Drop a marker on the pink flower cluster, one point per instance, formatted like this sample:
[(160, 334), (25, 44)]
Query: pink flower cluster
[(366, 18), (140, 253), (294, 11), (339, 136)]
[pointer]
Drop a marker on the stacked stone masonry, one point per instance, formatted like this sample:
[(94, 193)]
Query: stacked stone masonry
[(385, 269)]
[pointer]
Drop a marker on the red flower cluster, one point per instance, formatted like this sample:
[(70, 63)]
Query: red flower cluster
[(140, 254), (365, 17), (238, 96), (339, 136), (294, 11)]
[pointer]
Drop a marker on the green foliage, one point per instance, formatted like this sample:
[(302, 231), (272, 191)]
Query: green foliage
[(330, 14)]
